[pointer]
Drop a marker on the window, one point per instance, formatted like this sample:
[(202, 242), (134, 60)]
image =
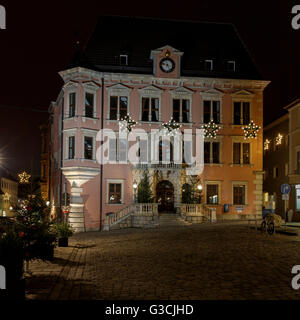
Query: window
[(71, 147), (115, 193), (123, 59), (211, 111), (118, 107), (72, 104), (166, 150), (231, 65), (208, 65), (89, 105), (212, 194), (181, 110), (241, 153), (241, 113), (117, 150), (297, 196), (275, 172), (88, 148), (211, 152), (239, 192), (150, 114)]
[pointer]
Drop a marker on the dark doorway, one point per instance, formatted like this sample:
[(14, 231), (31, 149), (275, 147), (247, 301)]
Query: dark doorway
[(165, 196)]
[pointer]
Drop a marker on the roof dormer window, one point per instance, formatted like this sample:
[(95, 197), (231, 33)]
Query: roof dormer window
[(123, 59), (208, 65), (231, 65)]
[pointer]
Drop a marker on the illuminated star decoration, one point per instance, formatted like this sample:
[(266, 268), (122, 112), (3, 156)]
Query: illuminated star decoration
[(171, 128), (210, 129), (24, 177), (251, 130), (126, 124), (278, 139), (267, 144)]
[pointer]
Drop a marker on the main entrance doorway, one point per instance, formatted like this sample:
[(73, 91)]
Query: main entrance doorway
[(165, 196)]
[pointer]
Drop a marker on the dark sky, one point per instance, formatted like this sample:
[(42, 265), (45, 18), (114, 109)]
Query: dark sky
[(40, 37)]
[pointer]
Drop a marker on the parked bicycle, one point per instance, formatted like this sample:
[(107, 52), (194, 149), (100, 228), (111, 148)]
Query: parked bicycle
[(268, 224)]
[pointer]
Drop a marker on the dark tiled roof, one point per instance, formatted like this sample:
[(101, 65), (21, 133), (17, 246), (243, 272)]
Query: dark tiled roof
[(138, 36)]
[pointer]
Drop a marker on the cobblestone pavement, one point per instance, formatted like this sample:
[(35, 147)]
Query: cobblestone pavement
[(221, 261)]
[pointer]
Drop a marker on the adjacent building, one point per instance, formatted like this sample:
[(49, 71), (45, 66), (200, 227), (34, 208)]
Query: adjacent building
[(8, 195), (156, 70), (276, 164)]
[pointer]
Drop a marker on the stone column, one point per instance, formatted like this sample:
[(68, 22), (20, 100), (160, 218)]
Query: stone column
[(258, 182), (76, 215)]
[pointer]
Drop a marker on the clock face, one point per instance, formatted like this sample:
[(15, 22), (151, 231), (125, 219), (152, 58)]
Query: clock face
[(167, 65)]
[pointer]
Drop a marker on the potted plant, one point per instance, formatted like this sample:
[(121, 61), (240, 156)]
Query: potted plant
[(12, 259), (63, 231)]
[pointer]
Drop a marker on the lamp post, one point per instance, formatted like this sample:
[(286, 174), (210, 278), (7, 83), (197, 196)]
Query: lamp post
[(134, 190), (199, 187)]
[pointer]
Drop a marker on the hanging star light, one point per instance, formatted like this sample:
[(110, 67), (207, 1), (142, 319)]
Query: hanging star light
[(278, 139), (24, 177), (267, 144), (171, 127), (251, 130), (126, 124), (211, 129)]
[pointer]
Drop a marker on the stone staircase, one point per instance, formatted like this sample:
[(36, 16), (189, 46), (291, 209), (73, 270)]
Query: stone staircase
[(171, 219)]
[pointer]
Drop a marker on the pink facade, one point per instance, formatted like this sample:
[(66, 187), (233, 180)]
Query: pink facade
[(225, 180)]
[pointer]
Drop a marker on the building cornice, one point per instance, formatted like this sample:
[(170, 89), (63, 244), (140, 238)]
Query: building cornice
[(276, 122)]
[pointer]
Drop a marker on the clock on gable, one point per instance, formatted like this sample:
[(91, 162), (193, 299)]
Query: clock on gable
[(167, 65)]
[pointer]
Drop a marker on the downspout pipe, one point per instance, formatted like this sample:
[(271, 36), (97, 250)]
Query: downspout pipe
[(61, 155), (101, 142)]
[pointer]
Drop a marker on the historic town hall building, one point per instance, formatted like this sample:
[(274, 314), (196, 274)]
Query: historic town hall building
[(155, 70)]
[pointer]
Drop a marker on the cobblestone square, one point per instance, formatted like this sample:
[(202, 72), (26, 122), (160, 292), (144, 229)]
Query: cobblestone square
[(200, 262)]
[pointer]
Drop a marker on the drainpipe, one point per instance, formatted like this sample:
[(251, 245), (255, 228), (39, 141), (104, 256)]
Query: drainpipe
[(101, 142), (61, 154)]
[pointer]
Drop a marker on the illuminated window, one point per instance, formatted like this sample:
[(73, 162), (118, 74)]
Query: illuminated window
[(114, 195), (212, 194)]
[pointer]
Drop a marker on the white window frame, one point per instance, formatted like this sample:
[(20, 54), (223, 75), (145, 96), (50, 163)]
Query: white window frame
[(210, 140), (182, 93), (92, 134), (234, 65), (92, 88), (238, 183), (69, 133), (211, 64), (118, 90), (212, 95), (120, 181), (239, 139), (150, 92), (122, 56)]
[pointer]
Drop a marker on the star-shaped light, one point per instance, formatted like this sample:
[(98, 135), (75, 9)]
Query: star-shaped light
[(24, 177), (126, 124), (210, 129), (278, 139), (267, 144), (251, 130), (171, 128)]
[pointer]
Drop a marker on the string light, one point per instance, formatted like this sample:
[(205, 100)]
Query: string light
[(24, 177), (278, 139), (126, 124), (171, 128), (251, 130), (211, 129), (267, 144)]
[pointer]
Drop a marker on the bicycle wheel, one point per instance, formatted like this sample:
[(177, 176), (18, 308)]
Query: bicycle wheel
[(271, 228), (263, 226)]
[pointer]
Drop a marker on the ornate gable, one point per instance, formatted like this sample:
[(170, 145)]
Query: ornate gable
[(212, 93), (181, 91), (151, 90), (119, 89), (70, 86), (244, 94)]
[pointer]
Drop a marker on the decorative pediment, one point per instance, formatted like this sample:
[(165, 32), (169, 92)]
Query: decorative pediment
[(119, 88), (212, 93), (242, 94), (166, 47), (90, 85), (151, 90), (70, 85), (181, 91)]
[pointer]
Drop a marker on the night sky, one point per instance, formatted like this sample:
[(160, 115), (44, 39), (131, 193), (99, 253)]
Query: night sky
[(40, 40)]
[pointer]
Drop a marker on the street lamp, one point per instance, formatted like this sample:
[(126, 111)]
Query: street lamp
[(199, 187), (134, 189)]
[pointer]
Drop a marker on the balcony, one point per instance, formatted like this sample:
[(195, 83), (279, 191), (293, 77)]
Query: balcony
[(160, 165)]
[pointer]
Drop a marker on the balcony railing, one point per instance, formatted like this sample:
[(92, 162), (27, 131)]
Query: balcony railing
[(161, 165)]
